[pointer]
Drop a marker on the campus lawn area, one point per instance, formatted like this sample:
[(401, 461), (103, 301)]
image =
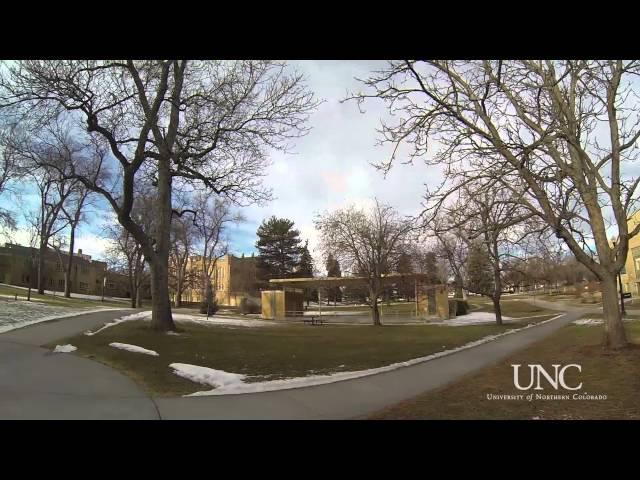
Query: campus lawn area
[(511, 308), (616, 375), (58, 300), (267, 353)]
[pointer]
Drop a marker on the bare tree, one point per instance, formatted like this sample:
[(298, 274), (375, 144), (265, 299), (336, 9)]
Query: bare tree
[(72, 211), (49, 222), (177, 122), (8, 171), (489, 220), (126, 255), (212, 217), (367, 242), (556, 133), (183, 233)]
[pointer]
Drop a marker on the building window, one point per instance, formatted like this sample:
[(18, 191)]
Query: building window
[(61, 284), (83, 287)]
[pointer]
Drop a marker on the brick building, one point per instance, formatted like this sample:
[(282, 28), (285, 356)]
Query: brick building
[(233, 279), (19, 266)]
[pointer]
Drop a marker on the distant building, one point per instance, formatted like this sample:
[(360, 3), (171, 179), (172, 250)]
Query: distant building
[(232, 279), (630, 274), (19, 266)]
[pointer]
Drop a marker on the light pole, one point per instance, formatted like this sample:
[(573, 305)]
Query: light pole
[(104, 283)]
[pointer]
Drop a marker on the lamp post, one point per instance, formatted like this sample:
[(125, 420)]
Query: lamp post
[(104, 283)]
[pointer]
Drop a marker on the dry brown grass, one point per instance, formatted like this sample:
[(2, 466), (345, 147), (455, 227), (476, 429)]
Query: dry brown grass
[(614, 374)]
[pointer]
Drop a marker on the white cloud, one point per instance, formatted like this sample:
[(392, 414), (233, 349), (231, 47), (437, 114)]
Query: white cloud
[(92, 244), (89, 243)]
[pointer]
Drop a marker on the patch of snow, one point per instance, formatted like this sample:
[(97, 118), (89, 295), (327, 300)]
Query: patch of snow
[(133, 316), (173, 333), (64, 348), (133, 348), (199, 319), (234, 383), (599, 321), (19, 314), (473, 318), (12, 297), (207, 376), (587, 321), (74, 295)]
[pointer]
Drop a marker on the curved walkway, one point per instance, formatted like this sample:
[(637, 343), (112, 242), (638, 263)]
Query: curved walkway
[(36, 384), (40, 385)]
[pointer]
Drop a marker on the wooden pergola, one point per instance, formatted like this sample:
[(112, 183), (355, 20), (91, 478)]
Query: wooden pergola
[(328, 282)]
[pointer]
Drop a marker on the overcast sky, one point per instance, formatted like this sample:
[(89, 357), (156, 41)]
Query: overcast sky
[(331, 166)]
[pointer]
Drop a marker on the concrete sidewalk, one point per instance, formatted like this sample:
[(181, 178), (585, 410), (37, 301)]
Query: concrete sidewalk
[(37, 384)]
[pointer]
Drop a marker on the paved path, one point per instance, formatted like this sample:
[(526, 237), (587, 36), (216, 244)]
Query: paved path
[(35, 383), (38, 384)]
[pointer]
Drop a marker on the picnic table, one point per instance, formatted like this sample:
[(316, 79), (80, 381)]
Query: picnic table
[(308, 319), (313, 320)]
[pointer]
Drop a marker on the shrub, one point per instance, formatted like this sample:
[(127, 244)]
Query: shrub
[(458, 305), (213, 307), (250, 305)]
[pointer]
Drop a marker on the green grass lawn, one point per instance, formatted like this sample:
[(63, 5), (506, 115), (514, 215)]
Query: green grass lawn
[(510, 308), (614, 374), (59, 300), (267, 353)]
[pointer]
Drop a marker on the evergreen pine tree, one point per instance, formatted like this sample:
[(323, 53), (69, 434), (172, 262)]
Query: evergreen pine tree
[(305, 270), (278, 248), (333, 270), (479, 271)]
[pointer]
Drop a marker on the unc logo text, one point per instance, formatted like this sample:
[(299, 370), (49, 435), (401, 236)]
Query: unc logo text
[(554, 380)]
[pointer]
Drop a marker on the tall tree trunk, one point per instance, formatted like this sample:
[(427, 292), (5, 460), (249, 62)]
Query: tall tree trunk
[(132, 286), (161, 318), (497, 285), (43, 249), (375, 310), (614, 334), (458, 293), (178, 301), (497, 308), (67, 280), (138, 302)]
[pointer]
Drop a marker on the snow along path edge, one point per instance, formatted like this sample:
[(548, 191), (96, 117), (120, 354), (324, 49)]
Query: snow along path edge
[(133, 348), (14, 326), (181, 317), (234, 384)]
